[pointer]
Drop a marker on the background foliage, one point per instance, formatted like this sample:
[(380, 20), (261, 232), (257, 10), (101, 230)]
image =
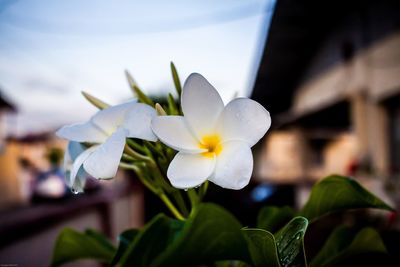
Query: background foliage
[(211, 236)]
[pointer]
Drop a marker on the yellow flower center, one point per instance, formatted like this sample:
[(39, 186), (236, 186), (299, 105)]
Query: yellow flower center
[(213, 145)]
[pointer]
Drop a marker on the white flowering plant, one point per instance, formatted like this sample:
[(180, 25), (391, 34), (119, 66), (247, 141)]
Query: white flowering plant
[(176, 150)]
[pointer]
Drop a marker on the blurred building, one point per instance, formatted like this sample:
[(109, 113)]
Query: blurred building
[(5, 107), (8, 156), (330, 76), (35, 204)]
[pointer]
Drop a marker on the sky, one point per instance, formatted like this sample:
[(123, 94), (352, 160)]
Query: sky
[(50, 51)]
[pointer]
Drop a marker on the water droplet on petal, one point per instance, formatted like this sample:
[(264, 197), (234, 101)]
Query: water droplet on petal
[(74, 191), (186, 189)]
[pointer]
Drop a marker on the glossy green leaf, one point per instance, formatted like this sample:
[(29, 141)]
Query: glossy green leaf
[(272, 218), (210, 234), (337, 193), (262, 248), (345, 243), (290, 243), (177, 81), (340, 238), (124, 239), (151, 241), (72, 245)]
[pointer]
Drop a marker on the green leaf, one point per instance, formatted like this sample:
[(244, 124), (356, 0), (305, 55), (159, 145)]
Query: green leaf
[(72, 245), (151, 241), (272, 218), (345, 243), (136, 90), (337, 193), (262, 248), (172, 108), (290, 243), (210, 234), (336, 242), (176, 79), (95, 101), (125, 238), (230, 264)]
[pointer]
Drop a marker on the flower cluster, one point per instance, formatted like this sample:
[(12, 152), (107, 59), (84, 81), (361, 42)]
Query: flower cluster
[(213, 141), (184, 144), (195, 141), (107, 130)]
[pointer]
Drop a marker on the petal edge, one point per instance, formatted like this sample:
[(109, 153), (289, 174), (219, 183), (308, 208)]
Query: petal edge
[(189, 170), (104, 161), (244, 119), (201, 105), (234, 165)]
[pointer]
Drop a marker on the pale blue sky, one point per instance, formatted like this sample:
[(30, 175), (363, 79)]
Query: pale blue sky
[(52, 50)]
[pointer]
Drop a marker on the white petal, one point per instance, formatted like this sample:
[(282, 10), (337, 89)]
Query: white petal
[(74, 149), (78, 185), (234, 165), (190, 170), (76, 166), (174, 132), (68, 164), (103, 162), (244, 119), (80, 181), (201, 105), (82, 132), (138, 121), (68, 159), (111, 118)]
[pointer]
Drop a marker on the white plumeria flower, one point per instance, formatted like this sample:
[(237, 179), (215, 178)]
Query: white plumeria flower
[(213, 141), (108, 130), (75, 175)]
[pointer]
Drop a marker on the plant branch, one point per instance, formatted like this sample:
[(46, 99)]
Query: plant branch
[(128, 150), (171, 207)]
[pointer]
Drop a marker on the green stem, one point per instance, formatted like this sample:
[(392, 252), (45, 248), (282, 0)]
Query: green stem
[(159, 177), (134, 145), (127, 157), (128, 150), (161, 180), (203, 190), (153, 148), (157, 191), (171, 207), (139, 174), (180, 201), (193, 197)]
